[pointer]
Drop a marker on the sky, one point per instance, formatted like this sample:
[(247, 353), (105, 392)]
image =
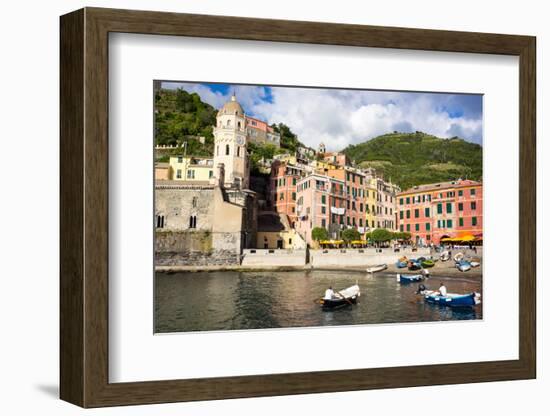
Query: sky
[(340, 117)]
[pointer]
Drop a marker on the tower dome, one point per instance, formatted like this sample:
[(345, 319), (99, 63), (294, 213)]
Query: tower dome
[(232, 107)]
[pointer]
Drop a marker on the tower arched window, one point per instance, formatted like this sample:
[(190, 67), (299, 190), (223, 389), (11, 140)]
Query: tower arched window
[(228, 122), (227, 150), (193, 221), (239, 124), (238, 151), (217, 150)]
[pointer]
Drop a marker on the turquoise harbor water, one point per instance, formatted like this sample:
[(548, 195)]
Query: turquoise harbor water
[(230, 300)]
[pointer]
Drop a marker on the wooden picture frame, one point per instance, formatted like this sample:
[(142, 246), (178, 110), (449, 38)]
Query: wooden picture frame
[(84, 207)]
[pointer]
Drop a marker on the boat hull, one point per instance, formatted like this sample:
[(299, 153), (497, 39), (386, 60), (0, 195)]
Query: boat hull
[(349, 297), (414, 266), (377, 268), (454, 301), (404, 279), (463, 266), (328, 304)]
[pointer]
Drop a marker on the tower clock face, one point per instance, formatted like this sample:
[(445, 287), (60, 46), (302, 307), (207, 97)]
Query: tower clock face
[(240, 141)]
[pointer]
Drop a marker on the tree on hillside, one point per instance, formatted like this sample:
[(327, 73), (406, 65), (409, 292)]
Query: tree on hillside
[(180, 116), (258, 152), (319, 233), (289, 140)]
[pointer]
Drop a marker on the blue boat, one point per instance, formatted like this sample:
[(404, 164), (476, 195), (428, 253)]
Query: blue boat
[(453, 300), (463, 265), (405, 279), (414, 265), (401, 264)]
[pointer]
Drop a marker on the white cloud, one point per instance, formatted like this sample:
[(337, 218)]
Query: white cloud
[(342, 117)]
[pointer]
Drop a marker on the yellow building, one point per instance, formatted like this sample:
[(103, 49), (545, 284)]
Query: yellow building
[(191, 169), (323, 166), (163, 171), (284, 239), (370, 203), (286, 158), (274, 232)]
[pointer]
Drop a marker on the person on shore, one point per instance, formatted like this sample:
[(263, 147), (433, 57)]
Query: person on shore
[(425, 273), (442, 290), (329, 293)]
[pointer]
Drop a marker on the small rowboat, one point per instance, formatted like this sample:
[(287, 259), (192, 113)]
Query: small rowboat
[(405, 279), (475, 263), (453, 299), (414, 265), (345, 297), (401, 264), (463, 265), (427, 263), (445, 256), (458, 256), (377, 268)]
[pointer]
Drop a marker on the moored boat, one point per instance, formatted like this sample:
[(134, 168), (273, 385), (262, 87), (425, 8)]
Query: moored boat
[(463, 265), (403, 278), (401, 264), (377, 268), (414, 265), (458, 256), (427, 263), (453, 299), (345, 297), (475, 263), (445, 256)]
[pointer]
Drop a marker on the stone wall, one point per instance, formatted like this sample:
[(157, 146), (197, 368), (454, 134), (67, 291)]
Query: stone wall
[(360, 257), (274, 258), (178, 204), (194, 248)]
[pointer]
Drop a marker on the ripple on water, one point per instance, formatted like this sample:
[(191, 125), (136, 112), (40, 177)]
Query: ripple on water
[(250, 300)]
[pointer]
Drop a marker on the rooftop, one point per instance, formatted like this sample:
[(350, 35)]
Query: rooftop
[(159, 184), (460, 183)]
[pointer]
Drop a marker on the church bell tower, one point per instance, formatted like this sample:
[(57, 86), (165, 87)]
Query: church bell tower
[(230, 144)]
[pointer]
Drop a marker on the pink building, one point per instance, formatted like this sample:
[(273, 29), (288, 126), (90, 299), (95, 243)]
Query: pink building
[(357, 193), (321, 203), (446, 209), (338, 159), (259, 131), (282, 188)]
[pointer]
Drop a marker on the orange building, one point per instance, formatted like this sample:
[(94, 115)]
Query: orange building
[(441, 210)]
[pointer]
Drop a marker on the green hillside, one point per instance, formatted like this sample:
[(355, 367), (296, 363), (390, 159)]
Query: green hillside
[(181, 117), (410, 159)]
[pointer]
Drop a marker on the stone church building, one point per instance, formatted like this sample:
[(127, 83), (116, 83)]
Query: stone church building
[(210, 222)]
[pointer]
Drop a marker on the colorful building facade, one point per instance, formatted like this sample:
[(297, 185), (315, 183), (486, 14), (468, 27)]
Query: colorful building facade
[(282, 192), (190, 169), (356, 185), (259, 131), (441, 210), (320, 203), (386, 204)]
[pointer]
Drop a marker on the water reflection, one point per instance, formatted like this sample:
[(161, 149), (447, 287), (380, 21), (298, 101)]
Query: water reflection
[(246, 300)]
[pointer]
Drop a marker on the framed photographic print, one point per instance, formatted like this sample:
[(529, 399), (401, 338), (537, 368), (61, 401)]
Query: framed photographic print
[(255, 207)]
